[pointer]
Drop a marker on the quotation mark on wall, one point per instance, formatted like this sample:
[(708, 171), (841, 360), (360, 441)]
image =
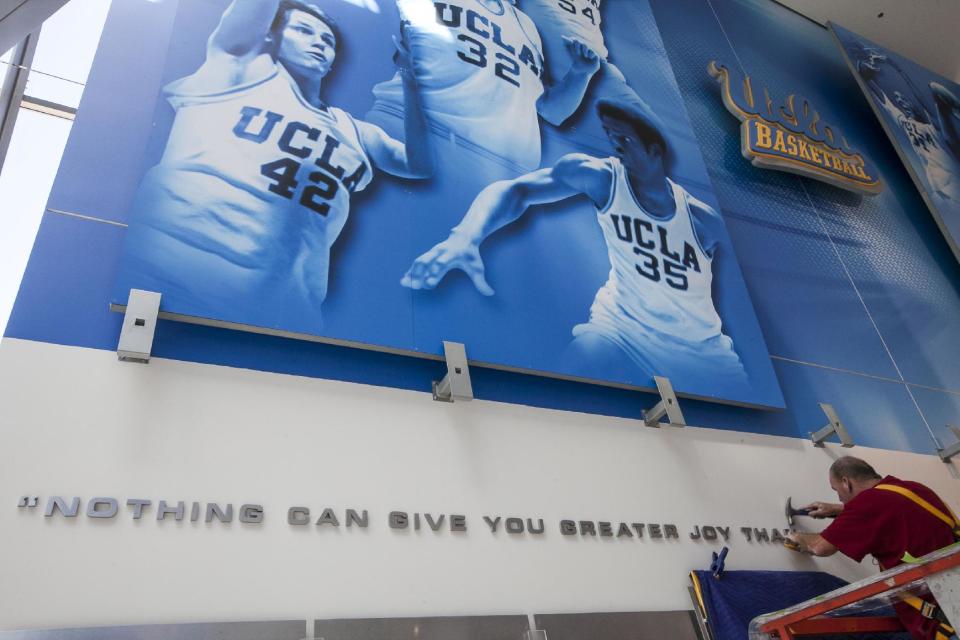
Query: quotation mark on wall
[(28, 501)]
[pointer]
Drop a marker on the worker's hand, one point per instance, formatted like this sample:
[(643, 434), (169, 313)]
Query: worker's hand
[(793, 542), (824, 509)]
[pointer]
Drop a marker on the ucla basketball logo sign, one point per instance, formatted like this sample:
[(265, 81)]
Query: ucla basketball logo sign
[(792, 137)]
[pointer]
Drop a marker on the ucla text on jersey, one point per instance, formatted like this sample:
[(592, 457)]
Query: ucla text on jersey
[(286, 173), (482, 43), (653, 247)]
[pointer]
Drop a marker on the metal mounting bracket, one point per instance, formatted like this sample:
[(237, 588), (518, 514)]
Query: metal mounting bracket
[(535, 634), (834, 426), (668, 406), (456, 384), (947, 453), (139, 325)]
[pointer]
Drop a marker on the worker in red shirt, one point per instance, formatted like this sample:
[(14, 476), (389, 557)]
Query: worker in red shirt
[(886, 518)]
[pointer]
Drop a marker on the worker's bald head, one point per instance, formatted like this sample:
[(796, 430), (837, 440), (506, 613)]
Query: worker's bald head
[(849, 476), (853, 468)]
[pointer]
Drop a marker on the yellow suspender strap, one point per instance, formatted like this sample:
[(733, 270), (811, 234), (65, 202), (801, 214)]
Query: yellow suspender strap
[(926, 609), (949, 520), (931, 611)]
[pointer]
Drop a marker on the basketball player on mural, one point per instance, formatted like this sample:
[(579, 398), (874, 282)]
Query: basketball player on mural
[(560, 20), (480, 71), (668, 251), (255, 183), (935, 140)]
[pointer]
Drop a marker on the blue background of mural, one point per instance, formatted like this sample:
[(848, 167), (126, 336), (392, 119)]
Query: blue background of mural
[(857, 297), (947, 210)]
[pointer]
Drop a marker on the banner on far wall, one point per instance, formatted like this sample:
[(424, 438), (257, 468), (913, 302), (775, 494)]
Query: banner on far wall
[(920, 111), (550, 208)]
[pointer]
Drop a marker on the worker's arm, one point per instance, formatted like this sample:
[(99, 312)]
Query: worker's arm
[(824, 509), (812, 543)]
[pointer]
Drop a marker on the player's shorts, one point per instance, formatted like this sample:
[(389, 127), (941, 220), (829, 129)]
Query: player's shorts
[(707, 367)]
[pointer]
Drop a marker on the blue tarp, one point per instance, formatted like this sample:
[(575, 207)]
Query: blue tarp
[(737, 597)]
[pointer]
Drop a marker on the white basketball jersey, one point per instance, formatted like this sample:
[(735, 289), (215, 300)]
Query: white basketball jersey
[(660, 277), (578, 19), (479, 74), (943, 172), (257, 176)]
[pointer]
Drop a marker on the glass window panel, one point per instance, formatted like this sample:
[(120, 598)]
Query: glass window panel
[(53, 89), (68, 42), (28, 172)]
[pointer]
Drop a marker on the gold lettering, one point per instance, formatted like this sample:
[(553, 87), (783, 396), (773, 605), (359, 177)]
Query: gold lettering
[(835, 161), (792, 144), (803, 150), (763, 135), (815, 154), (778, 143)]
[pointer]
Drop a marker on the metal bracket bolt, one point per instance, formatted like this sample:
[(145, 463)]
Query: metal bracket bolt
[(456, 384), (139, 325), (834, 426), (668, 406), (947, 453)]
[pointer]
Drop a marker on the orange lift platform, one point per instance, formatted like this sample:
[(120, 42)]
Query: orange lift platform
[(855, 609)]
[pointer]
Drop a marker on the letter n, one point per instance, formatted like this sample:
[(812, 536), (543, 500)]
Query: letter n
[(57, 503)]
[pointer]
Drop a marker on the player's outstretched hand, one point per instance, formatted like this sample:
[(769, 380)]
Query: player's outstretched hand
[(453, 253), (584, 59)]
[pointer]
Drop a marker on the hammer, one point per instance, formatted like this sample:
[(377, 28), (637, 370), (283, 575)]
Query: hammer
[(790, 512)]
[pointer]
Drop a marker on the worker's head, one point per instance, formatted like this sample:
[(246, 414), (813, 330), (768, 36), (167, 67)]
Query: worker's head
[(849, 476)]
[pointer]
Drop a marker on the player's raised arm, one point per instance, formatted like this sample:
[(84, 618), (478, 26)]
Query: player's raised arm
[(414, 158), (236, 50), (561, 99), (500, 204), (948, 114), (243, 27)]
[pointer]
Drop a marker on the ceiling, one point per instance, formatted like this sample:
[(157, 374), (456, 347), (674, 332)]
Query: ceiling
[(926, 31)]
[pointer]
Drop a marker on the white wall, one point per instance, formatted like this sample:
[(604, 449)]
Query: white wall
[(77, 422)]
